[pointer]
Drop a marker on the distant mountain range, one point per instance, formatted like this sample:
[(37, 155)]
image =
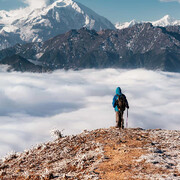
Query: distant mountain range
[(165, 21), (140, 46), (60, 16), (67, 35)]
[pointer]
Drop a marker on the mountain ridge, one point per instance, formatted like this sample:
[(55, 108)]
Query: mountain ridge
[(167, 20), (126, 48), (103, 153)]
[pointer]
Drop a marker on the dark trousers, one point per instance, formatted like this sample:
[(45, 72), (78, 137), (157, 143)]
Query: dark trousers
[(119, 119)]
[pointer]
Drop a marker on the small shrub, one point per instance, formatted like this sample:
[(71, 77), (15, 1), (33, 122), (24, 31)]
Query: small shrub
[(55, 133)]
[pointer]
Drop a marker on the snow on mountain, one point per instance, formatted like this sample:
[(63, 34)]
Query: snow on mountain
[(166, 21), (55, 18), (3, 14), (163, 22), (125, 25)]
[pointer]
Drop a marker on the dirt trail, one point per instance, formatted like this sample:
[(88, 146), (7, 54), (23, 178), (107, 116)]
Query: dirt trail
[(121, 152)]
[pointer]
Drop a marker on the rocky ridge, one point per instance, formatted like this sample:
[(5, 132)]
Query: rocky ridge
[(140, 46), (100, 154)]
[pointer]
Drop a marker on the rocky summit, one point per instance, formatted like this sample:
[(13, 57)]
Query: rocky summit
[(111, 153)]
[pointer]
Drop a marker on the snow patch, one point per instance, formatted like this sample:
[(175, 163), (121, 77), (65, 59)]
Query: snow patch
[(164, 153)]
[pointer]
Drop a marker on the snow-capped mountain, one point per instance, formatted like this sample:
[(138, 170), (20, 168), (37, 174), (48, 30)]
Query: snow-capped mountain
[(41, 24), (163, 22), (166, 21), (125, 25)]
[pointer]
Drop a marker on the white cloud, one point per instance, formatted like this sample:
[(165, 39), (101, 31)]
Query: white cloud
[(33, 4), (170, 1), (33, 104)]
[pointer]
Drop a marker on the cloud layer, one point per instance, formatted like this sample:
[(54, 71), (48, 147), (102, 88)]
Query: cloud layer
[(33, 104)]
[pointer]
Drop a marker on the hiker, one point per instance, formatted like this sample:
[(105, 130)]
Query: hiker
[(120, 103)]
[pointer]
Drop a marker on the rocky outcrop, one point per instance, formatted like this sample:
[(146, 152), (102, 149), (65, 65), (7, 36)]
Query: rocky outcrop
[(100, 154)]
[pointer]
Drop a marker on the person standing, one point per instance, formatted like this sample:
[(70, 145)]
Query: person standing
[(120, 103)]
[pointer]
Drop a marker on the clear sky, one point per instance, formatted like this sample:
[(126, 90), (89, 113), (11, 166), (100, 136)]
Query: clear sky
[(118, 10)]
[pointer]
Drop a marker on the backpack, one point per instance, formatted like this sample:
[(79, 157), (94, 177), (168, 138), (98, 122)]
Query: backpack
[(121, 103)]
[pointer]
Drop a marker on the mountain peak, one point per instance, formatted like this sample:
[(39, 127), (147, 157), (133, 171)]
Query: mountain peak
[(126, 24), (62, 3), (167, 20), (53, 18), (167, 17)]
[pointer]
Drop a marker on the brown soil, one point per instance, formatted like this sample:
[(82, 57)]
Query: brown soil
[(121, 154)]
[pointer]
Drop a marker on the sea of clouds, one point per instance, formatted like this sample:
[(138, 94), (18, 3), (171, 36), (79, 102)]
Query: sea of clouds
[(31, 105)]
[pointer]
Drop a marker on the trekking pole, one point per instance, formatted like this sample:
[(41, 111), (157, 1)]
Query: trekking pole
[(127, 120)]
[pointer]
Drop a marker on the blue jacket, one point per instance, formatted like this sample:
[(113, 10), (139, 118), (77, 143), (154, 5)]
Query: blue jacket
[(118, 92)]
